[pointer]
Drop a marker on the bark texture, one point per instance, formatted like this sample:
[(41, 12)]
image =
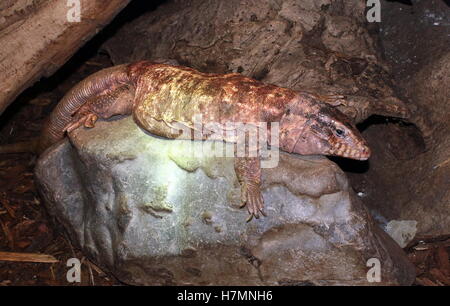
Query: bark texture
[(319, 46), (37, 38)]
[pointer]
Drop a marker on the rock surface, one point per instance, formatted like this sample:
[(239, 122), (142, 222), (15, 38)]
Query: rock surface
[(150, 213), (402, 231)]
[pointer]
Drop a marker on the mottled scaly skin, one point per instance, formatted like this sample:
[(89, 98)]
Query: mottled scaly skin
[(168, 94), (160, 96)]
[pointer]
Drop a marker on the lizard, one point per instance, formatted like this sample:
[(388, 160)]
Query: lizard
[(161, 95)]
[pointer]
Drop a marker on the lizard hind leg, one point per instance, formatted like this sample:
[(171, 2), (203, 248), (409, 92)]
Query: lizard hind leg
[(114, 102), (87, 120)]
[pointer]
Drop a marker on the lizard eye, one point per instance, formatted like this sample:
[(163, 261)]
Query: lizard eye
[(340, 133), (288, 112)]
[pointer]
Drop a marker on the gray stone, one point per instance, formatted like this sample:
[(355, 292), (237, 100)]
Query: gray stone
[(402, 231), (140, 207)]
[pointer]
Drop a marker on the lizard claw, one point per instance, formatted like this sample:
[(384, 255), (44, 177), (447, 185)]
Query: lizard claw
[(87, 120), (252, 198), (72, 126), (90, 120), (333, 100)]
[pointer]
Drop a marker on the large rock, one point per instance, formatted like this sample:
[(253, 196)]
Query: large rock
[(142, 207)]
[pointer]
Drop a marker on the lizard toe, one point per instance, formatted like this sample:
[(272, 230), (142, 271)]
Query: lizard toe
[(72, 126), (90, 120)]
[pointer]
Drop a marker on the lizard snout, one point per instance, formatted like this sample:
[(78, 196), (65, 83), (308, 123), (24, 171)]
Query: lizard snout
[(364, 153), (358, 152)]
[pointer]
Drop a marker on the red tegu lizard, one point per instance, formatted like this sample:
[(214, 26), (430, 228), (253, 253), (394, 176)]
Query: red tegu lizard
[(160, 95)]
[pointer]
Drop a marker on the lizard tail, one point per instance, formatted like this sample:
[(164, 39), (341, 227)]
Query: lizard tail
[(100, 82), (20, 147)]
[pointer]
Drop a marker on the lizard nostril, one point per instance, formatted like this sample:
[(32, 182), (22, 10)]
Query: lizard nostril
[(366, 151)]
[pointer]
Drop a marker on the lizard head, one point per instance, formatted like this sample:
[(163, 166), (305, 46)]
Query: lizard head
[(308, 127)]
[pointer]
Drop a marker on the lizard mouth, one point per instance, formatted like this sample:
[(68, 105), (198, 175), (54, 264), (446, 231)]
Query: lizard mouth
[(361, 152)]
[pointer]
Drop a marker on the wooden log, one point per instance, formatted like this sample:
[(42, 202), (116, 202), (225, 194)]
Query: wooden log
[(39, 36), (27, 257)]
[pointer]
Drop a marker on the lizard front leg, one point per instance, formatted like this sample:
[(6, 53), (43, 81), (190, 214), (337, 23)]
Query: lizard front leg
[(248, 172)]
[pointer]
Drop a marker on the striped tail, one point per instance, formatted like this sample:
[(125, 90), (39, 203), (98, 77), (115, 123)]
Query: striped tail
[(100, 82)]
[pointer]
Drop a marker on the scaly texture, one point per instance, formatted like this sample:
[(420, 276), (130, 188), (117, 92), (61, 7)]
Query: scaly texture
[(166, 99), (97, 84)]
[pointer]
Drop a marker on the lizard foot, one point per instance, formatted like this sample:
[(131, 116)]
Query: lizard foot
[(87, 120), (333, 100), (252, 198)]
